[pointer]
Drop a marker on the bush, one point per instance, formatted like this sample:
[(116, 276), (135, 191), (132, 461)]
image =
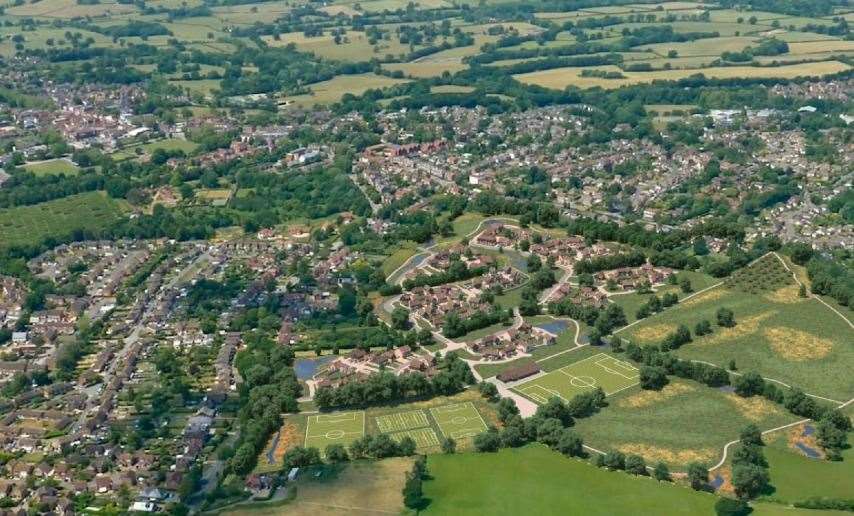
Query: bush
[(635, 465), (751, 435), (337, 453), (615, 460), (698, 476), (449, 446), (730, 507), (570, 444), (488, 441), (725, 317), (488, 390), (652, 378), (749, 480), (661, 472)]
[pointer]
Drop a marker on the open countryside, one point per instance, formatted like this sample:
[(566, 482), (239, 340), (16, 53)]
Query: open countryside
[(430, 257)]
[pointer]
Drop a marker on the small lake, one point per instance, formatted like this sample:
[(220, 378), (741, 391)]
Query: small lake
[(306, 367), (554, 327), (717, 482)]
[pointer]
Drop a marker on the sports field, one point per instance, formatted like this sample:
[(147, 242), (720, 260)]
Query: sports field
[(600, 370), (402, 421), (340, 428), (459, 420), (423, 437)]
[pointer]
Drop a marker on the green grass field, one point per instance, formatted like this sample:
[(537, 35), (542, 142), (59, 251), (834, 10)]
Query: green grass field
[(795, 477), (797, 341), (52, 167), (459, 420), (535, 480), (339, 428), (27, 225), (355, 488), (402, 421), (600, 370), (684, 422), (328, 92)]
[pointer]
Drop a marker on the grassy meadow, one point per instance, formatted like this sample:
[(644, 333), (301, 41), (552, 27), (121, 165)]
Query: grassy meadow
[(684, 422), (29, 225), (797, 341), (52, 167)]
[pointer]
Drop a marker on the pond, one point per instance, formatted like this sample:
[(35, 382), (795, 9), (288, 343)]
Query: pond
[(306, 367), (717, 482), (809, 452), (553, 327)]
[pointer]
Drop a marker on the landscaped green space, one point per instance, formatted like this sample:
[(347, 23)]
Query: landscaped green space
[(28, 225), (684, 422), (795, 340), (797, 478)]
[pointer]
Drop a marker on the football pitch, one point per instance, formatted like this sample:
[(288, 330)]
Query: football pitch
[(459, 420), (339, 428), (600, 370)]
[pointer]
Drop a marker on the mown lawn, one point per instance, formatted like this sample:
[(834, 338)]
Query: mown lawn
[(535, 480), (796, 477)]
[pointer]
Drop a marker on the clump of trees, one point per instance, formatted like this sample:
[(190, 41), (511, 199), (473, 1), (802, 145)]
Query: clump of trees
[(550, 425), (454, 326), (270, 388), (385, 387)]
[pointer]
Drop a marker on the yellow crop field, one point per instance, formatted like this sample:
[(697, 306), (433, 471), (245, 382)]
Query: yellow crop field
[(560, 78)]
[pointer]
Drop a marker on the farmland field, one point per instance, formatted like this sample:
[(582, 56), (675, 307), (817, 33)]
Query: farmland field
[(331, 91), (560, 78), (29, 225)]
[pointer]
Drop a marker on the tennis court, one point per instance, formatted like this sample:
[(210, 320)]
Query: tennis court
[(402, 421), (423, 437)]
